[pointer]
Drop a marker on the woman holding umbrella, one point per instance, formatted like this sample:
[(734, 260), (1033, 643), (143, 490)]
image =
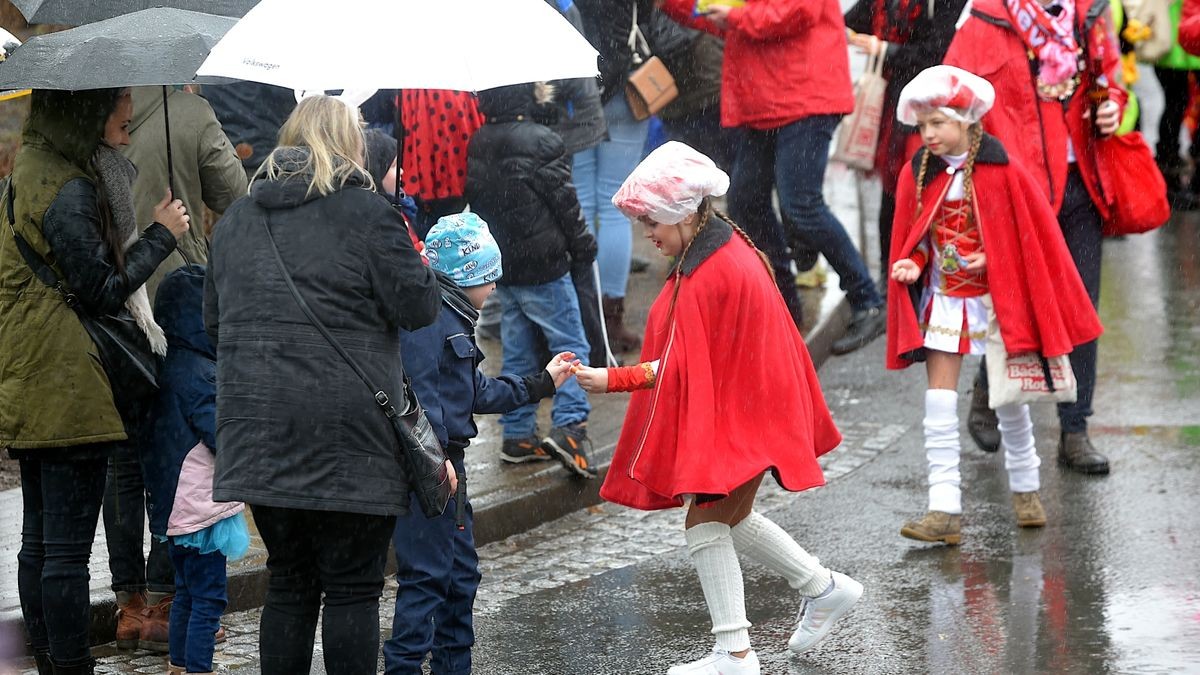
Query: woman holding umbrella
[(59, 418)]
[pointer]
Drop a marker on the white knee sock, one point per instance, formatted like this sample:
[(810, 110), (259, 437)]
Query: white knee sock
[(1020, 453), (764, 541), (942, 450), (711, 548)]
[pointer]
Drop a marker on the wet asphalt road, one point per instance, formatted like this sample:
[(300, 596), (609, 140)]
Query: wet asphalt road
[(1112, 584)]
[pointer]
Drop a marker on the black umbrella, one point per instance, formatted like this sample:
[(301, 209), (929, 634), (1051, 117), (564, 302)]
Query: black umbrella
[(79, 12), (151, 47)]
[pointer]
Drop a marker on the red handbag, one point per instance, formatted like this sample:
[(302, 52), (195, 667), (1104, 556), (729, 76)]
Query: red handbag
[(1132, 184)]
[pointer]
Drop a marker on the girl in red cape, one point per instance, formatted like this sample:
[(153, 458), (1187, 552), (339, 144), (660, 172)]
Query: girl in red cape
[(725, 392), (975, 247)]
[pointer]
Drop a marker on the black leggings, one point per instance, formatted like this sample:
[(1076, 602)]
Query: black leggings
[(1175, 102), (61, 501), (310, 553)]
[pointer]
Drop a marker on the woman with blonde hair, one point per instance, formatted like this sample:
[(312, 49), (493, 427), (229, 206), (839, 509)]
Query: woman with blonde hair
[(318, 472)]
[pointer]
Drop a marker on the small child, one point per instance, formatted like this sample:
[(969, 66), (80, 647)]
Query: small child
[(519, 181), (969, 221), (437, 568), (201, 534)]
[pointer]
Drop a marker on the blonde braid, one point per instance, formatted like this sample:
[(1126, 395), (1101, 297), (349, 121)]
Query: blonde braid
[(742, 233), (921, 180), (969, 167)]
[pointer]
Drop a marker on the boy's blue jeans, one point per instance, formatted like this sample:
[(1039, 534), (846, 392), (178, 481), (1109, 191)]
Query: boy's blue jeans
[(553, 309), (438, 572), (196, 612)]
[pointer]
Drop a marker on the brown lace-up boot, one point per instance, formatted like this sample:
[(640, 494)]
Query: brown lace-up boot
[(129, 619), (155, 635), (934, 527), (1028, 507)]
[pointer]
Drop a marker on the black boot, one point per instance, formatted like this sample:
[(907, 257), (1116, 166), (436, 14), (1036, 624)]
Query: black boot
[(44, 666), (981, 421), (865, 326), (1076, 452), (87, 668)]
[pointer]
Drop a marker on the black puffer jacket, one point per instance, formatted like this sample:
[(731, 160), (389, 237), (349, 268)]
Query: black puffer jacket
[(296, 427), (606, 25), (519, 182)]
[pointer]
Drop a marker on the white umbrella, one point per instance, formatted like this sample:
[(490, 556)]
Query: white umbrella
[(8, 41), (468, 45)]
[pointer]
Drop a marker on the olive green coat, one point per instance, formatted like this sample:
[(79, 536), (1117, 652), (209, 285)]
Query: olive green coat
[(53, 390)]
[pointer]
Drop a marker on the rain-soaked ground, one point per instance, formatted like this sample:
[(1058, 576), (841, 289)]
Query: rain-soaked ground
[(1111, 585)]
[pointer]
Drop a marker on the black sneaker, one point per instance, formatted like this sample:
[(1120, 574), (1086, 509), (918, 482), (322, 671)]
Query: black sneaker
[(866, 325), (521, 450), (568, 444)]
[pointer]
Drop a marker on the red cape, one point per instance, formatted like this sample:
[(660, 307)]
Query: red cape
[(1040, 301), (736, 393)]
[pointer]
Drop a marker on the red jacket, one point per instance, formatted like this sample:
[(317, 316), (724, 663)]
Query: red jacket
[(1034, 131), (736, 392), (784, 60), (1040, 301), (1189, 27)]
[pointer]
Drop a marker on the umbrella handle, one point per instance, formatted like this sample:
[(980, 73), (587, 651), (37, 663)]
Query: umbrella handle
[(167, 125)]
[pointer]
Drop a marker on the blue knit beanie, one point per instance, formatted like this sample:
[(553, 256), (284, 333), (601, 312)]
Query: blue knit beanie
[(461, 246)]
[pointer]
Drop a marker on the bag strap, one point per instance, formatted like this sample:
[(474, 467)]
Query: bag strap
[(41, 270), (381, 397), (638, 46)]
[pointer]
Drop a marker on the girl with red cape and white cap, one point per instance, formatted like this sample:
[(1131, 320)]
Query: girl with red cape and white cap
[(976, 248), (725, 392)]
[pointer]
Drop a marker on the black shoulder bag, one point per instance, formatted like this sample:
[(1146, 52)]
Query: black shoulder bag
[(420, 452), (124, 349)]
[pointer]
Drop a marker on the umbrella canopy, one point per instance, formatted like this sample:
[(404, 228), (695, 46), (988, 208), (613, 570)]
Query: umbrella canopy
[(79, 12), (153, 46), (467, 45)]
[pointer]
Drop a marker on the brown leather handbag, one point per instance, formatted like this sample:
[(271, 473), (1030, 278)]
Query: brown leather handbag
[(650, 86)]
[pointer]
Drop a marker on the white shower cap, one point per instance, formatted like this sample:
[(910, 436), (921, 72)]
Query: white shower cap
[(669, 184), (961, 95)]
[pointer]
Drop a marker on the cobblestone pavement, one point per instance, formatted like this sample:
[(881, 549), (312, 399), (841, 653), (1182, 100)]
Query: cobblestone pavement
[(582, 545)]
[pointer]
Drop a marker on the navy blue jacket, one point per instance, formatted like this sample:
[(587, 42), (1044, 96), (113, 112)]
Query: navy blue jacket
[(185, 410), (442, 360)]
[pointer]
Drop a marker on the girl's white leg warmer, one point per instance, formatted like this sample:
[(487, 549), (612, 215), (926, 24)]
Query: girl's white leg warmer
[(942, 450), (1020, 453), (711, 548), (764, 541)]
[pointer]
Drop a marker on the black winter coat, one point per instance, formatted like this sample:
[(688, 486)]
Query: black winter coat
[(519, 182), (296, 427), (606, 25)]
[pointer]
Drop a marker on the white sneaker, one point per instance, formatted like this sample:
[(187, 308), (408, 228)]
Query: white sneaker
[(719, 662), (817, 615)]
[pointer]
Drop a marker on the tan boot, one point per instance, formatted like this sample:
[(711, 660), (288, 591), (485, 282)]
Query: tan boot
[(129, 619), (1029, 509), (173, 669), (934, 527), (155, 635)]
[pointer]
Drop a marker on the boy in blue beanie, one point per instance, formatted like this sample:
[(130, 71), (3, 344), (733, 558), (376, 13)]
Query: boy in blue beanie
[(437, 567)]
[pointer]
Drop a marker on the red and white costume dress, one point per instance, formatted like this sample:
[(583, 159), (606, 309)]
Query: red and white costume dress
[(953, 315)]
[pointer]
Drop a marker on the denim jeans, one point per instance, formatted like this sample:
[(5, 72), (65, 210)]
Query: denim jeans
[(792, 160), (553, 309), (61, 501), (200, 600), (438, 572), (598, 173), (125, 526), (1080, 223), (314, 553)]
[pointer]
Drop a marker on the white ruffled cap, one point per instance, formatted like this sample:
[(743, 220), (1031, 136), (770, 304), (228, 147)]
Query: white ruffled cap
[(669, 184), (961, 95)]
